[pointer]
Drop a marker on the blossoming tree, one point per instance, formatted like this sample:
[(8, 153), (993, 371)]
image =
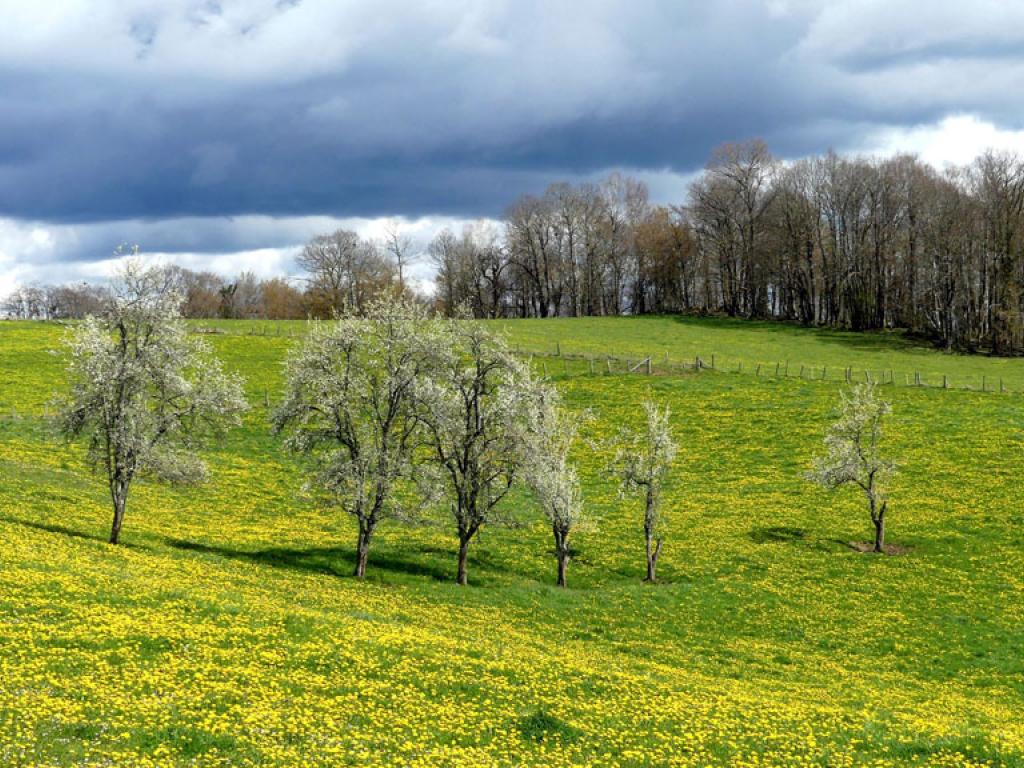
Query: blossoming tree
[(853, 455), (643, 461), (551, 475), (351, 404), (144, 393), (477, 411)]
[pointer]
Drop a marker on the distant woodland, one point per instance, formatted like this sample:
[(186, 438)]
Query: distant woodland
[(846, 242)]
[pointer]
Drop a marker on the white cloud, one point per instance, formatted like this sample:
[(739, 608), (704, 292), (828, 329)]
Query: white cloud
[(954, 140), (36, 252)]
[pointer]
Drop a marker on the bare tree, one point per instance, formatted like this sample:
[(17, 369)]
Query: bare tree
[(201, 291), (477, 413), (853, 455), (643, 461), (143, 392), (400, 247), (345, 272), (351, 406), (281, 300)]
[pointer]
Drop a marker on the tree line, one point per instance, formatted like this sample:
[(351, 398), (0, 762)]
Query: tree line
[(845, 242), (392, 411)]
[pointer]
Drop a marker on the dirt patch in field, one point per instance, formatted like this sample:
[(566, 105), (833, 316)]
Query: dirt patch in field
[(868, 547)]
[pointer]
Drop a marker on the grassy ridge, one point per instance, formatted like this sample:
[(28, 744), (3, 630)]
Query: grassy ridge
[(228, 632), (751, 343)]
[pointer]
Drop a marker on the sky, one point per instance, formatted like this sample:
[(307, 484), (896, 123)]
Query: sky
[(223, 134)]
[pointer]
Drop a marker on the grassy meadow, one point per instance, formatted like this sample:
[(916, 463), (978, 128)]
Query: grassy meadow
[(228, 632)]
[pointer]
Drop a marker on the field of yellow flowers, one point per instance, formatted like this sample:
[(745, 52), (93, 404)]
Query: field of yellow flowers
[(227, 632)]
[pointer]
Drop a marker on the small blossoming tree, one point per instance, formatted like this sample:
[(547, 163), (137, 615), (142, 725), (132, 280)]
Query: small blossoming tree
[(351, 405), (853, 456), (552, 477), (643, 461), (144, 393)]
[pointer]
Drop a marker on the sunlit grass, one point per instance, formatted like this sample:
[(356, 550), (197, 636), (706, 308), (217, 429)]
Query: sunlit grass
[(227, 630)]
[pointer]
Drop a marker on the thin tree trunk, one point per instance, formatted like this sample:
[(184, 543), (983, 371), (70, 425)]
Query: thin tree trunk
[(563, 564), (362, 549), (653, 550), (880, 531), (120, 497), (562, 553), (462, 577)]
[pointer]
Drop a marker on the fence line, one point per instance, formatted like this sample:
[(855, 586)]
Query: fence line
[(607, 364)]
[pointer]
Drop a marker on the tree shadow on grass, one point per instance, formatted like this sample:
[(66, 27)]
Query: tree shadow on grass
[(865, 341), (777, 534), (340, 561), (70, 532)]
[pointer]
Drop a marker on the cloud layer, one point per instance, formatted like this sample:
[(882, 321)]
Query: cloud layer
[(200, 126)]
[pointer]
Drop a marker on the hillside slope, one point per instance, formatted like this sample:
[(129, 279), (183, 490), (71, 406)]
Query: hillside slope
[(228, 632)]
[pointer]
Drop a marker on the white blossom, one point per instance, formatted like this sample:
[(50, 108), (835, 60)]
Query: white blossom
[(144, 393)]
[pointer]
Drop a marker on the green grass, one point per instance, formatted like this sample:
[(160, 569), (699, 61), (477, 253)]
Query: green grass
[(750, 343), (228, 632)]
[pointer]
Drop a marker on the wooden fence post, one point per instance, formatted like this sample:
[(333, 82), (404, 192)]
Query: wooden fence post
[(712, 361), (558, 349)]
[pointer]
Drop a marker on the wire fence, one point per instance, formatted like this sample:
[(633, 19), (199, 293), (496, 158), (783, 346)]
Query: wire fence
[(560, 364), (662, 364)]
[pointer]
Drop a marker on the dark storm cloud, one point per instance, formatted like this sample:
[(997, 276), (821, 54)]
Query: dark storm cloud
[(450, 113)]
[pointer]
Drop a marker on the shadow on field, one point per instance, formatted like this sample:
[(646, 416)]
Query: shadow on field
[(70, 532), (330, 561), (867, 341), (777, 534)]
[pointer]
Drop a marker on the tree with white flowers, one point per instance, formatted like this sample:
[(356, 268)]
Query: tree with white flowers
[(853, 454), (477, 410), (352, 406), (144, 393), (552, 477), (643, 461)]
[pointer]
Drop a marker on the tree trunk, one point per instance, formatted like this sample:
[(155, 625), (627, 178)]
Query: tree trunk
[(653, 550), (880, 531), (363, 549), (120, 497), (562, 553), (462, 577), (563, 564)]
